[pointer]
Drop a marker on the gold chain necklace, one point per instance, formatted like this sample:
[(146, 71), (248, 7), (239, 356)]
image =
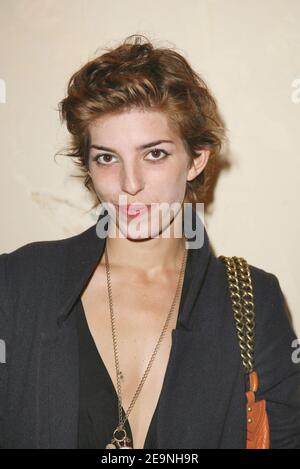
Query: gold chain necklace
[(120, 440)]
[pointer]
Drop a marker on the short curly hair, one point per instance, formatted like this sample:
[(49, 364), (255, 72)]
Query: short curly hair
[(137, 74)]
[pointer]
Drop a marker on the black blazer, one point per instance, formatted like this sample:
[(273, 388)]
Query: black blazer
[(202, 402)]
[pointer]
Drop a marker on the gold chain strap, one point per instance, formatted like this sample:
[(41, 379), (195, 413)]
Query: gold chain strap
[(242, 299)]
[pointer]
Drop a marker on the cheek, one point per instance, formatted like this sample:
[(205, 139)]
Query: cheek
[(180, 184), (170, 185), (172, 173), (104, 185)]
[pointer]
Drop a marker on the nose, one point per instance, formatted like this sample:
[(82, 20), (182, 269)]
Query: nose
[(132, 180)]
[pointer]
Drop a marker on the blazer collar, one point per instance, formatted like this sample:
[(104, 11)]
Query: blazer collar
[(84, 252)]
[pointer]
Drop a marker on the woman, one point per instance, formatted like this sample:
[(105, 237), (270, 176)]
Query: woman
[(123, 336)]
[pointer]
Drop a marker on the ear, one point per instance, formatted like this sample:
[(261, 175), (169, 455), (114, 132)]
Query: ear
[(198, 164)]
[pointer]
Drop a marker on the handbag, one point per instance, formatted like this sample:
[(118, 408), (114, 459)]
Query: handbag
[(242, 299)]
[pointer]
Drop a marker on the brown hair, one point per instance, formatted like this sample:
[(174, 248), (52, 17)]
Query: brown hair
[(136, 74)]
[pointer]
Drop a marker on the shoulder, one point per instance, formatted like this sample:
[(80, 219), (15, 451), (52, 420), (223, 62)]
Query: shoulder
[(34, 248), (29, 264), (259, 276), (268, 297), (271, 308), (272, 315), (30, 267), (267, 292), (274, 328), (39, 253)]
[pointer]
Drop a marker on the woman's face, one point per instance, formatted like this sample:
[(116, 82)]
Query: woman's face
[(140, 160)]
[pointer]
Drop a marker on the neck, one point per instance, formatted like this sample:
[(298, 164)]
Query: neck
[(151, 257)]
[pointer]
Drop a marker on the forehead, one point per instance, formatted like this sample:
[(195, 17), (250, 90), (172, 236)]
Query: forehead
[(132, 125)]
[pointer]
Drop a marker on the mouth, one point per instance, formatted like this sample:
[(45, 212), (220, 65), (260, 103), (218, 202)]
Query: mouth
[(132, 210)]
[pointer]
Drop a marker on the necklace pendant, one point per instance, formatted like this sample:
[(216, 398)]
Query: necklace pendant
[(119, 442)]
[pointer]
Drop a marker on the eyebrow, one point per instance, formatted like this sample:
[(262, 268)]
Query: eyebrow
[(140, 147)]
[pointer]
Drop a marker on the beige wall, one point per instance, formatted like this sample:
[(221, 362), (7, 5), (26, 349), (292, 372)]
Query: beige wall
[(248, 52)]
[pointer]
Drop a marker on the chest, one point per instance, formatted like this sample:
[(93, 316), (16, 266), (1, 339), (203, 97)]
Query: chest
[(140, 311)]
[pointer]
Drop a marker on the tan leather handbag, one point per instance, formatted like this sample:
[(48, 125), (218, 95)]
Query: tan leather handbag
[(241, 294)]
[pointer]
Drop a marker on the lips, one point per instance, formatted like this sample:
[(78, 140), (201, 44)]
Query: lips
[(132, 209)]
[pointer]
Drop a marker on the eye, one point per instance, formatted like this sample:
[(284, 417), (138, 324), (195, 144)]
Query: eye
[(105, 163), (158, 150)]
